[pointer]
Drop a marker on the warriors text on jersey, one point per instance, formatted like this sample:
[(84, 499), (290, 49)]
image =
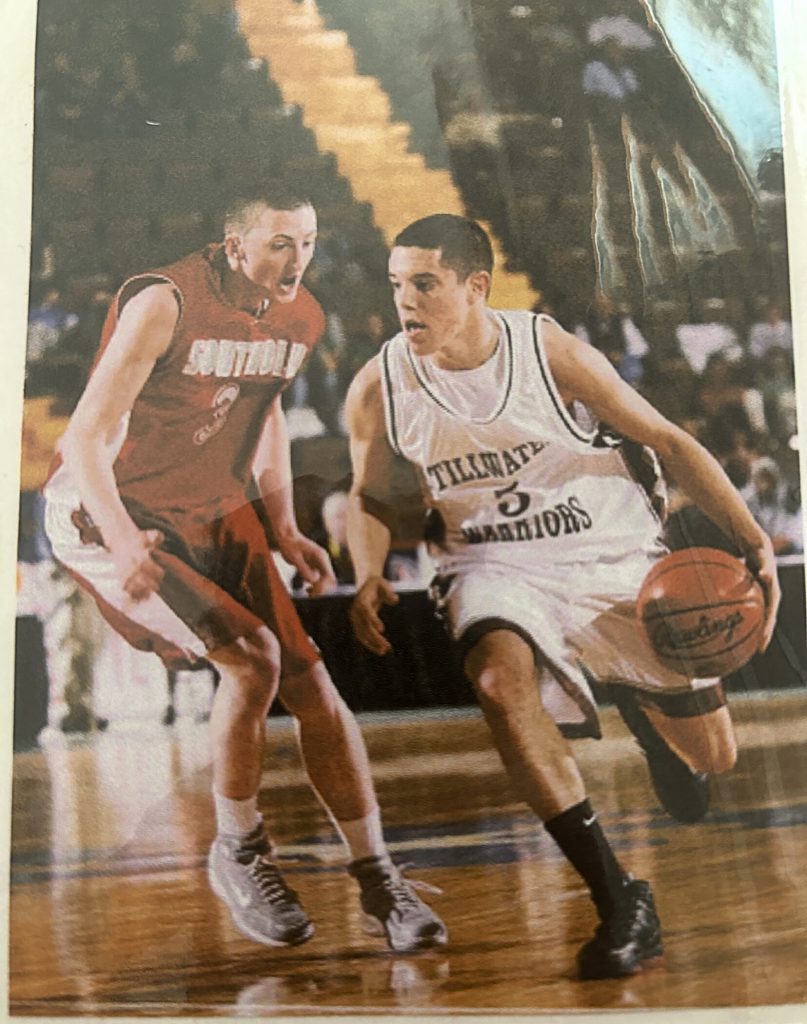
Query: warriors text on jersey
[(189, 440), (516, 477)]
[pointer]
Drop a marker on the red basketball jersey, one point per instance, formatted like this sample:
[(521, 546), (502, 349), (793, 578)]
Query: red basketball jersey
[(188, 445)]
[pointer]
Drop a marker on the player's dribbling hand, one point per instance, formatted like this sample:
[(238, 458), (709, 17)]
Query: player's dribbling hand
[(311, 561), (364, 617), (137, 570), (762, 563)]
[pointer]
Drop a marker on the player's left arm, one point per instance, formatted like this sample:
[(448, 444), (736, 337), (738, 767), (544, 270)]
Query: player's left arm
[(581, 372), (271, 467)]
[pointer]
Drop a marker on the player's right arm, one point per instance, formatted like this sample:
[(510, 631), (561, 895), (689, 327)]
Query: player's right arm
[(142, 334), (583, 373), (369, 505)]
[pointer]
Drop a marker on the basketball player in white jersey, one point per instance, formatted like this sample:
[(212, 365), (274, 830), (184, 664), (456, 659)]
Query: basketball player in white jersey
[(547, 525)]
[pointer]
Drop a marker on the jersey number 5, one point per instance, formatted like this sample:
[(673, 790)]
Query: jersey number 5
[(515, 502)]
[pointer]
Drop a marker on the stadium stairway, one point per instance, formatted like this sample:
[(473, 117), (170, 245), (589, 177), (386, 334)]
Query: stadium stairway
[(350, 115)]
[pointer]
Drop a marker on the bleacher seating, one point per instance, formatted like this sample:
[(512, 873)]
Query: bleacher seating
[(109, 201)]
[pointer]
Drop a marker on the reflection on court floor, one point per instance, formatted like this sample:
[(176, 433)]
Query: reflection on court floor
[(111, 911)]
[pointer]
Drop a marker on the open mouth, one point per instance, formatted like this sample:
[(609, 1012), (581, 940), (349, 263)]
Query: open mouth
[(413, 327), (288, 282)]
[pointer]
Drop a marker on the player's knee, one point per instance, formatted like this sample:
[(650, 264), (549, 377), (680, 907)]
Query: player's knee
[(311, 694), (720, 757), (726, 761), (254, 657), (261, 652), (493, 685)]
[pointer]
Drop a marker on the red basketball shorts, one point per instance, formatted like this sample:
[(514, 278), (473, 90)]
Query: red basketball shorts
[(220, 583)]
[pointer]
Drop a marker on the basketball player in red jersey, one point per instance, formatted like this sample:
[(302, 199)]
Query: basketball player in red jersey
[(149, 509), (546, 525)]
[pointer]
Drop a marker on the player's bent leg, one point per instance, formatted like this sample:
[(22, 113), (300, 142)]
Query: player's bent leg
[(331, 743), (706, 741), (685, 738), (336, 760), (249, 671), (501, 667), (240, 868)]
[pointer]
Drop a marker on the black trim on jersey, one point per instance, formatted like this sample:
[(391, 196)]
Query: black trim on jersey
[(146, 280), (565, 416), (447, 408), (387, 382), (641, 464), (645, 475)]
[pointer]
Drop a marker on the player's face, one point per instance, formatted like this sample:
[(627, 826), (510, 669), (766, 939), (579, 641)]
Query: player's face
[(433, 304), (276, 249)]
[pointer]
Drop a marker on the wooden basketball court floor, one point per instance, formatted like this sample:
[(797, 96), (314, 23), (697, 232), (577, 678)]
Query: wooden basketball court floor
[(111, 914)]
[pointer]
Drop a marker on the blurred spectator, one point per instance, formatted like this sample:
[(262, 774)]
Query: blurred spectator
[(772, 331), (93, 314), (669, 383), (737, 452), (325, 394), (48, 323), (775, 507), (60, 95), (151, 37), (128, 101), (712, 333), (362, 346), (188, 72), (725, 401), (778, 388), (614, 333)]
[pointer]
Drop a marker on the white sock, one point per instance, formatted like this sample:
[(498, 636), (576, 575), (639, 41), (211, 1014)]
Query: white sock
[(236, 817), (363, 836)]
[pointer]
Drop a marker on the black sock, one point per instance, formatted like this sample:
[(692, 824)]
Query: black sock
[(577, 832)]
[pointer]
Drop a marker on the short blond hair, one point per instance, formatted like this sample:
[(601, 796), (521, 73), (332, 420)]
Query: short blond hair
[(244, 212)]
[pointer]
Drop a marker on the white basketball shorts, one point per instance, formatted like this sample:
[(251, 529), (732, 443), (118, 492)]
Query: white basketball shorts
[(579, 617)]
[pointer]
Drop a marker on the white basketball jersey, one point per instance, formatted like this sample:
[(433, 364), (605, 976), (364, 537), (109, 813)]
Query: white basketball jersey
[(517, 478)]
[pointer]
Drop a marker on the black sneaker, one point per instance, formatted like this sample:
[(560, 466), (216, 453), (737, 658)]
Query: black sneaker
[(627, 940), (683, 793), (263, 907), (393, 907)]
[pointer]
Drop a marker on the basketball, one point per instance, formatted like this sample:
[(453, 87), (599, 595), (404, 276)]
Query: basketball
[(703, 612)]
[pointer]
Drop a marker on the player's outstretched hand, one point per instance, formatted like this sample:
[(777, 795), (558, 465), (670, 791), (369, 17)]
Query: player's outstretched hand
[(137, 570), (311, 561), (366, 621), (762, 562)]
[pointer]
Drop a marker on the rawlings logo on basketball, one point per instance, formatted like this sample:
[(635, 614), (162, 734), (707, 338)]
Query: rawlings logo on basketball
[(702, 611), (667, 638)]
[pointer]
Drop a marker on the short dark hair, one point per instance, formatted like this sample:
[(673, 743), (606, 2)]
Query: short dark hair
[(276, 195), (464, 245)]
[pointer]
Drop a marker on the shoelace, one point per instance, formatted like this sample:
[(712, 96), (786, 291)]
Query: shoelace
[(270, 882), (402, 889), (418, 883)]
